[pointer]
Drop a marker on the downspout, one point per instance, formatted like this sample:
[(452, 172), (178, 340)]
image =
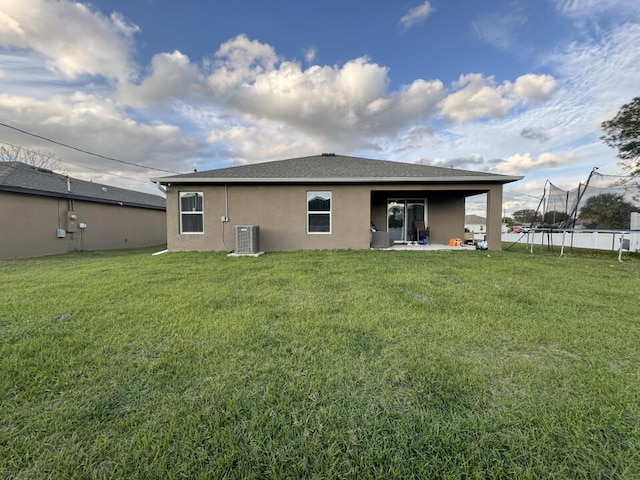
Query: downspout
[(161, 188), (226, 202), (226, 213)]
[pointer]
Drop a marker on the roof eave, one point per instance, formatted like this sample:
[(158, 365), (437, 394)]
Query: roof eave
[(229, 180), (72, 196)]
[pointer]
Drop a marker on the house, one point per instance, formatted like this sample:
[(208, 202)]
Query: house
[(475, 223), (45, 213), (325, 201), (476, 226)]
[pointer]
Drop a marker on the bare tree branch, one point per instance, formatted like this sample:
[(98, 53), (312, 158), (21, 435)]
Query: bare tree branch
[(30, 156)]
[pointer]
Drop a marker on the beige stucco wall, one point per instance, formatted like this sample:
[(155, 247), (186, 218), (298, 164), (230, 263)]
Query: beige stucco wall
[(113, 227), (494, 217), (280, 212), (446, 218), (29, 225)]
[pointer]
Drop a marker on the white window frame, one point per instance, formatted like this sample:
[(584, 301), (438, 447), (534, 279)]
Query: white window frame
[(195, 212), (311, 193)]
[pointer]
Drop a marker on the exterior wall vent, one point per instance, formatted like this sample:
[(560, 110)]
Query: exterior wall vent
[(247, 239)]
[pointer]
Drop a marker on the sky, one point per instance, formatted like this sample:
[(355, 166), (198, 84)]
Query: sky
[(156, 87)]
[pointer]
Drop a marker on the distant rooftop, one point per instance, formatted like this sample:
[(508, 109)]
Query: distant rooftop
[(474, 220), (19, 177), (330, 167)]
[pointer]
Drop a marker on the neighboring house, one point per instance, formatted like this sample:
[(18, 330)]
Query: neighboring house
[(45, 213), (325, 201), (478, 224), (475, 223)]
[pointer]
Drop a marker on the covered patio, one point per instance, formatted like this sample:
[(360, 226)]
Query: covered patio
[(403, 217)]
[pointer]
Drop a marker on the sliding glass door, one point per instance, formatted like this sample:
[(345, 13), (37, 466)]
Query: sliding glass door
[(402, 214), (395, 220)]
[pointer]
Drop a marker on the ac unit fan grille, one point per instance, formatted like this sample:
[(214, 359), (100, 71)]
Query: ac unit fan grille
[(247, 239)]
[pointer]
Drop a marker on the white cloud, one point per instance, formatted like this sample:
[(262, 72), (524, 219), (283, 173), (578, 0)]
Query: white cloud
[(416, 15), (474, 161), (533, 187), (500, 30), (477, 97), (325, 115), (172, 76), (98, 125), (534, 87), (262, 141), (347, 105), (240, 61), (577, 9), (75, 39), (522, 163), (310, 55)]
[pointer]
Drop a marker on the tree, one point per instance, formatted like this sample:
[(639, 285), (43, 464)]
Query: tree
[(607, 210), (554, 217), (526, 215), (622, 132), (35, 158), (508, 221)]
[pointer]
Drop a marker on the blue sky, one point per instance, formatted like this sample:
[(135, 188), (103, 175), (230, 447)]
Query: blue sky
[(507, 86)]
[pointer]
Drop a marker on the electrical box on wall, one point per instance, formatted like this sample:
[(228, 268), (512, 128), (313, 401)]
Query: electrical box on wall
[(72, 222)]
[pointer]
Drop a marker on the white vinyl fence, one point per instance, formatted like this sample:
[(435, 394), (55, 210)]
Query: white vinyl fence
[(592, 239)]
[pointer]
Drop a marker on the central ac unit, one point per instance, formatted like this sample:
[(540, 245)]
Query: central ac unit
[(247, 239)]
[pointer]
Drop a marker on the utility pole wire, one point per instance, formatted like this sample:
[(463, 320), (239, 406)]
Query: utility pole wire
[(2, 142), (85, 151)]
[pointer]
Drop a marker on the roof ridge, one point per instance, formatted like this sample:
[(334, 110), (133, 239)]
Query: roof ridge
[(334, 167)]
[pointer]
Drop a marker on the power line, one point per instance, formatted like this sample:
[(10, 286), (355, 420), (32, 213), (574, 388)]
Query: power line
[(86, 151), (108, 173)]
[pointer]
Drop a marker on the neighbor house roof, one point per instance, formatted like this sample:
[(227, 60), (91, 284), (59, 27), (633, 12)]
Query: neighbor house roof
[(18, 177), (474, 220), (332, 168)]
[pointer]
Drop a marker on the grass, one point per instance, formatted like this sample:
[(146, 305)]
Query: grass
[(332, 364)]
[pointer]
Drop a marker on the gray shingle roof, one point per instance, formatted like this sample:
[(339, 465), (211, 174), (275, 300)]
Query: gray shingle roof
[(22, 178), (474, 219), (335, 168)]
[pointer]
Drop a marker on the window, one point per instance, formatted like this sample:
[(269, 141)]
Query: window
[(318, 212), (191, 212)]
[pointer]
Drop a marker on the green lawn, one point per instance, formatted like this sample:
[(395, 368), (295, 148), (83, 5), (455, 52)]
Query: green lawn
[(349, 364)]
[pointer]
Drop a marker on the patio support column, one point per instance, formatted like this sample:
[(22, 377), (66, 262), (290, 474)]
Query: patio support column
[(494, 217)]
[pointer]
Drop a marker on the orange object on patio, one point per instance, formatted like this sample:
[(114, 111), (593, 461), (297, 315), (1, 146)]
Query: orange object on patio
[(455, 242)]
